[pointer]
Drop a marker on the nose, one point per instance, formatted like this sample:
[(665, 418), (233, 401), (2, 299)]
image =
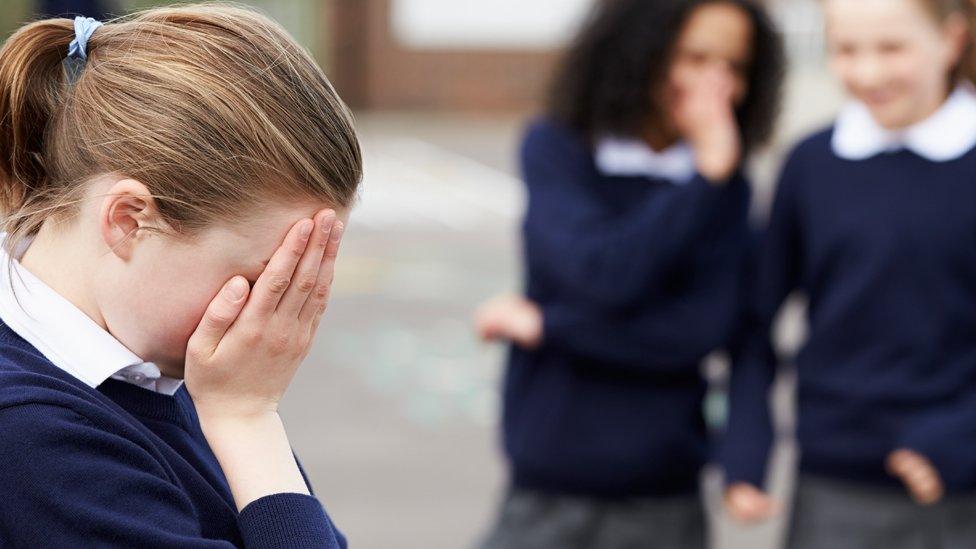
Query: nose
[(868, 72)]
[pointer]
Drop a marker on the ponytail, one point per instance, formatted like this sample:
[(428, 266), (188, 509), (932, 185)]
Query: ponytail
[(32, 82), (214, 108)]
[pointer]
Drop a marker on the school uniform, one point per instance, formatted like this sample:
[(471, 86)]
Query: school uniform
[(99, 449), (635, 261), (878, 230), (97, 9)]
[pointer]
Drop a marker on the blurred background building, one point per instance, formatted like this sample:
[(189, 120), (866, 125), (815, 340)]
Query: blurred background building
[(394, 413)]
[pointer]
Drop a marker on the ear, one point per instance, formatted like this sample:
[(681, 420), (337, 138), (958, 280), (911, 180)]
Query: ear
[(956, 36), (127, 207)]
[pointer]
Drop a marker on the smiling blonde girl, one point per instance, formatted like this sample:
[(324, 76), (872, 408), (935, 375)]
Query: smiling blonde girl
[(874, 221)]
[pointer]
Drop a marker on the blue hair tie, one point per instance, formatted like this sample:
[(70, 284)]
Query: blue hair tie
[(84, 27)]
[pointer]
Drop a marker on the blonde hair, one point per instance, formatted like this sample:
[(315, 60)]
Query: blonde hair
[(966, 69), (213, 107)]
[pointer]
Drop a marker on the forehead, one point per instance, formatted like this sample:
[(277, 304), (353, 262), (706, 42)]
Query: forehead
[(868, 20), (257, 234), (718, 28)]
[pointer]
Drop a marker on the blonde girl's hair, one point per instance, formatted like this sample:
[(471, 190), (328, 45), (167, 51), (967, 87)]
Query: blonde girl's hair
[(213, 107), (941, 9)]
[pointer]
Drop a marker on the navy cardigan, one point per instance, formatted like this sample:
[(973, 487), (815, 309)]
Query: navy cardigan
[(122, 466), (638, 280), (885, 251)]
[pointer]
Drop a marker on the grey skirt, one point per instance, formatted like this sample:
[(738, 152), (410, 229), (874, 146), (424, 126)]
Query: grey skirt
[(530, 520), (834, 514)]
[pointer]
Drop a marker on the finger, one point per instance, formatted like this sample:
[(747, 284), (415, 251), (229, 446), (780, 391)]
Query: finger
[(899, 468), (736, 496), (925, 487), (934, 494), (527, 329), (725, 83), (748, 504), (910, 465), (492, 331), (718, 89), (898, 461), (220, 314), (764, 510), (926, 492), (743, 509), (318, 300), (719, 76), (921, 479), (314, 326), (925, 481), (481, 326), (499, 318), (919, 471), (915, 478), (276, 278), (307, 271), (490, 327), (754, 505)]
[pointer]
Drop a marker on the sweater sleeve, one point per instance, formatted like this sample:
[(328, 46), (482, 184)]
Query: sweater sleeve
[(76, 484), (603, 258), (774, 274), (673, 331), (944, 435)]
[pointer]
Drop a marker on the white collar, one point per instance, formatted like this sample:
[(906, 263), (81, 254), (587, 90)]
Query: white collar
[(618, 156), (66, 336), (946, 135)]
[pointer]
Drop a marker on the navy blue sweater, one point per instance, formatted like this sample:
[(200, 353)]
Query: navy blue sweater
[(638, 280), (885, 251), (121, 466)]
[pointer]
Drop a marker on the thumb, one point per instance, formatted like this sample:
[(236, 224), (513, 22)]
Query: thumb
[(220, 314)]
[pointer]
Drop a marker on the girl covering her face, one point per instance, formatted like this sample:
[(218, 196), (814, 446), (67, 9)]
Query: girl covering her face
[(635, 237), (175, 185)]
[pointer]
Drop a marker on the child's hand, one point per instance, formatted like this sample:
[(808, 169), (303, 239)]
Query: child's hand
[(245, 352), (705, 116), (246, 349), (512, 318), (919, 475), (748, 504)]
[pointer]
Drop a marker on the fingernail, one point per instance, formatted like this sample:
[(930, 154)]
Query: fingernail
[(337, 231), (306, 228), (236, 289)]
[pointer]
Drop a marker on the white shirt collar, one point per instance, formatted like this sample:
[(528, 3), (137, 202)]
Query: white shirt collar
[(947, 134), (68, 337), (617, 156)]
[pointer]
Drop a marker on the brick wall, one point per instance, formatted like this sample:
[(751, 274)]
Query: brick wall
[(373, 71)]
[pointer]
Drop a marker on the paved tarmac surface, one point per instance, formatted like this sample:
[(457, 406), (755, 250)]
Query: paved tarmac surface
[(394, 413)]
